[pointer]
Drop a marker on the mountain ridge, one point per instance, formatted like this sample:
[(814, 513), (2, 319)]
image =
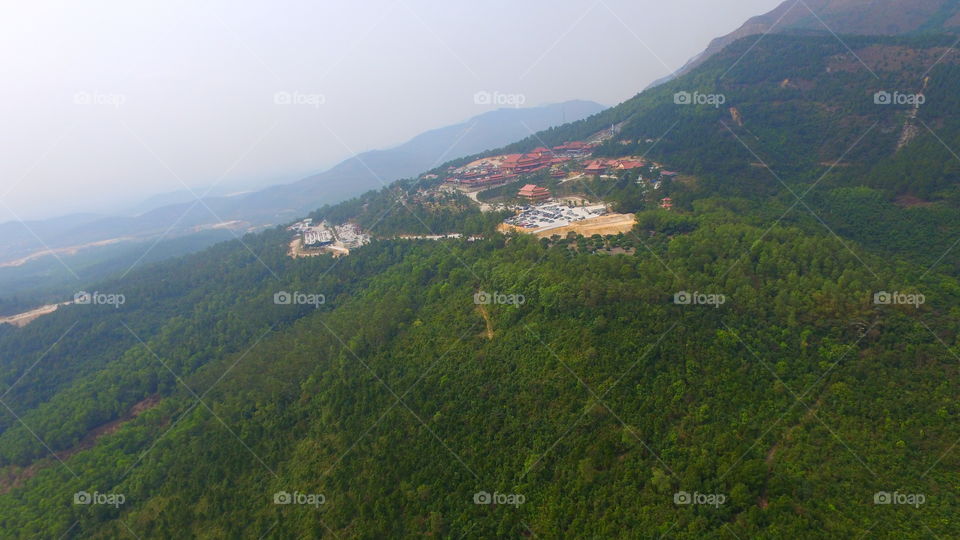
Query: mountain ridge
[(285, 202), (856, 17)]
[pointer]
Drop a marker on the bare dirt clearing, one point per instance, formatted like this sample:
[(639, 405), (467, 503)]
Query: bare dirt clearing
[(22, 319), (72, 250)]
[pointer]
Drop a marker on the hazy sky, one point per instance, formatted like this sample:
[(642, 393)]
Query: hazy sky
[(107, 102)]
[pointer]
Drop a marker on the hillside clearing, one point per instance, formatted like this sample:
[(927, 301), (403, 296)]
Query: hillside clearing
[(610, 224)]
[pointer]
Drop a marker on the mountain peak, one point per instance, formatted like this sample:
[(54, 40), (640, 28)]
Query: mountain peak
[(860, 17)]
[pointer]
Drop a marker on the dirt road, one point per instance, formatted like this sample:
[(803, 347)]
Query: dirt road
[(23, 319)]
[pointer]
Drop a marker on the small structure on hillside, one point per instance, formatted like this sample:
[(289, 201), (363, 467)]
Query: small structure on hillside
[(535, 161), (595, 168), (533, 192), (666, 203), (317, 237), (629, 164), (575, 149)]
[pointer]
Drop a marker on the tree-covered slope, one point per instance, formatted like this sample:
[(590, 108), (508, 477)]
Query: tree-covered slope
[(862, 17), (800, 101), (800, 120), (748, 365), (597, 399)]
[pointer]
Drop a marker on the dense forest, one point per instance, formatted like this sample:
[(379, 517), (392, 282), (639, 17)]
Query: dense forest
[(597, 399), (776, 357)]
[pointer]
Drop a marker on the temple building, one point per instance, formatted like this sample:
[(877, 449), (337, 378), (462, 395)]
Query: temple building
[(533, 192)]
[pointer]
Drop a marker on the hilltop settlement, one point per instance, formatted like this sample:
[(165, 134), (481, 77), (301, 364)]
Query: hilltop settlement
[(545, 192), (315, 239)]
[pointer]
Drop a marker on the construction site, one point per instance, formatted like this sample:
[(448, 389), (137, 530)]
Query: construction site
[(311, 240)]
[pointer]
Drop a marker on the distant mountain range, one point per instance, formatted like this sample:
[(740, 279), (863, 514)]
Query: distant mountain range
[(859, 17), (282, 203), (373, 170)]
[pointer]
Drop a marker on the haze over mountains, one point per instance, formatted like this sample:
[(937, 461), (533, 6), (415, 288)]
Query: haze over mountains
[(282, 203), (375, 169)]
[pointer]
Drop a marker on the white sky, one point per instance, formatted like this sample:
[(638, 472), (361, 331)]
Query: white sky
[(107, 102)]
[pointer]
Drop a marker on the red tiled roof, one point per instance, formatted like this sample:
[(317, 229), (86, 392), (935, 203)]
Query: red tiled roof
[(531, 190), (573, 145), (595, 166)]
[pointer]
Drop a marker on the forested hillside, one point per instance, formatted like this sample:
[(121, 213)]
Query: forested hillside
[(775, 358), (800, 117), (846, 17)]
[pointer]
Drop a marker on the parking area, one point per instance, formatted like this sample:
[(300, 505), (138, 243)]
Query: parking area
[(553, 215)]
